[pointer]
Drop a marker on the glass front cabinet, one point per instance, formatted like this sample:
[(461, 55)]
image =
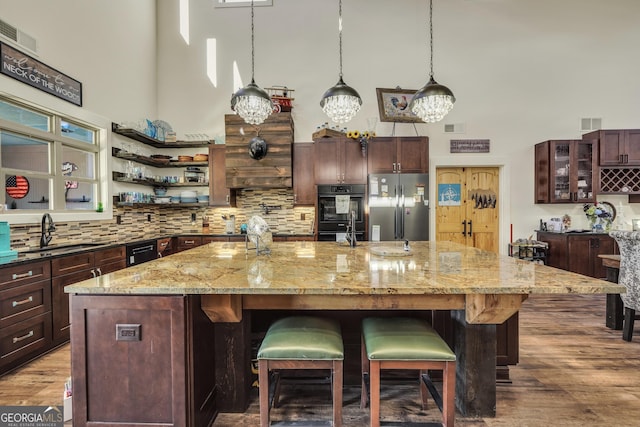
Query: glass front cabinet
[(565, 171)]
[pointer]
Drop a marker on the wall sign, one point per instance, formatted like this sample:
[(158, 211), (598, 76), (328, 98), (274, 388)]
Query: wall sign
[(469, 146), (28, 70)]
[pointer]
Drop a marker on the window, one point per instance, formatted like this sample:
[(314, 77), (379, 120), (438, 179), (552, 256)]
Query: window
[(49, 162)]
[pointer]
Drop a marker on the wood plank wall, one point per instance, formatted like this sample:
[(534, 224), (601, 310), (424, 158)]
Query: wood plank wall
[(275, 169)]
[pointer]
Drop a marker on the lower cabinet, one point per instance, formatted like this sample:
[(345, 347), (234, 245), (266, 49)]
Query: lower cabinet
[(75, 268), (165, 246), (187, 242), (25, 313), (159, 370), (578, 252)]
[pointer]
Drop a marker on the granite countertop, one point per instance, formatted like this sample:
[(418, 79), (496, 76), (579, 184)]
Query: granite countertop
[(327, 268), (34, 254)]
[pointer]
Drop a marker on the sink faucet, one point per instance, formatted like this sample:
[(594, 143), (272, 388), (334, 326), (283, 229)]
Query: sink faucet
[(351, 229), (47, 227)]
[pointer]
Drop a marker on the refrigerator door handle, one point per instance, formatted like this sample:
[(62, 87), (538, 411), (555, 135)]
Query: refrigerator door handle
[(401, 212), (464, 229)]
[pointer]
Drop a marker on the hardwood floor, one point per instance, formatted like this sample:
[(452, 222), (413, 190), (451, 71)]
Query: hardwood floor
[(573, 371)]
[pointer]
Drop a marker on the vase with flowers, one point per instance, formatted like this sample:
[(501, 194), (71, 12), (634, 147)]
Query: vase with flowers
[(600, 215)]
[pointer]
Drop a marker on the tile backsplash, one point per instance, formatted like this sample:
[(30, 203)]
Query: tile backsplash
[(144, 221)]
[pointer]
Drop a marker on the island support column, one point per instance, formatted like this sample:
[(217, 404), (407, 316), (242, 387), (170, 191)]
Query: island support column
[(475, 348)]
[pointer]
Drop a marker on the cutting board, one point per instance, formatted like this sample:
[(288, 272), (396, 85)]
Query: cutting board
[(389, 251)]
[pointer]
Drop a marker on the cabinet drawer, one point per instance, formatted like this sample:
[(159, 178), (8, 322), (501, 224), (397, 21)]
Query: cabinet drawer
[(23, 338), (22, 302), (185, 243), (111, 267), (72, 263), (107, 256), (24, 273)]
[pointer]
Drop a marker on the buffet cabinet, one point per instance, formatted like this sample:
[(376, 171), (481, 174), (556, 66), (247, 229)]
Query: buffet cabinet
[(578, 252)]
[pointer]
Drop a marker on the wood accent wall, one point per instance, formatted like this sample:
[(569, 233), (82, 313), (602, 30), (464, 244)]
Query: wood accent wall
[(275, 169)]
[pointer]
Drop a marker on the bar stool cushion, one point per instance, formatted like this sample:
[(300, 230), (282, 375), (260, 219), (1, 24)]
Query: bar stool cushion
[(401, 338), (302, 338)]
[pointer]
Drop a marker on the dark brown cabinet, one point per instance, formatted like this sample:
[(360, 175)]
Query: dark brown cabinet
[(578, 252), (71, 269), (339, 161), (565, 171), (25, 313), (304, 189), (617, 147), (174, 390), (187, 242), (219, 194), (165, 246), (398, 155)]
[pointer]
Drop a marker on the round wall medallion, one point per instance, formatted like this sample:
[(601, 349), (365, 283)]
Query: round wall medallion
[(257, 148)]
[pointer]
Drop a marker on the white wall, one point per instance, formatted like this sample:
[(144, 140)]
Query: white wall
[(522, 71)]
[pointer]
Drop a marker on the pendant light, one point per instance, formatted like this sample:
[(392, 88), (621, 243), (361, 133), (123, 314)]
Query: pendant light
[(251, 102), (433, 101), (340, 102)]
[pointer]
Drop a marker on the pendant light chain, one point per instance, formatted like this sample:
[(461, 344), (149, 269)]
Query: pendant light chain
[(431, 36), (253, 56), (340, 33)]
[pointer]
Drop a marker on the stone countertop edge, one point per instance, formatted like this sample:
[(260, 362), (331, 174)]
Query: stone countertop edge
[(326, 268)]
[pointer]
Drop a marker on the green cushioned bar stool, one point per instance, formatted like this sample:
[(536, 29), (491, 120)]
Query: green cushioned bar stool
[(406, 343), (301, 342)]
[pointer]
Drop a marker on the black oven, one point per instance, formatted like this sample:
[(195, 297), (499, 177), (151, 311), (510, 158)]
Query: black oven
[(335, 204)]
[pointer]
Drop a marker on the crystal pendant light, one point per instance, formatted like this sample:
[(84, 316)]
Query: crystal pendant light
[(251, 102), (433, 101), (341, 102)]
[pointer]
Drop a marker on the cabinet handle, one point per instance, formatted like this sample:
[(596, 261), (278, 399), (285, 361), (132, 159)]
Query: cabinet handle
[(626, 158), (189, 242), (99, 271), (227, 198), (24, 301), (399, 168), (464, 229), (295, 198), (620, 158), (470, 228), (24, 337), (22, 275), (93, 273), (394, 168), (159, 254), (163, 244)]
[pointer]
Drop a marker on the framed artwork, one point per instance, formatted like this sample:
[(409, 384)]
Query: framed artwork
[(393, 105)]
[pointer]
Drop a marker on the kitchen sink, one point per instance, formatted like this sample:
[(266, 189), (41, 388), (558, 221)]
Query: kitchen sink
[(56, 250)]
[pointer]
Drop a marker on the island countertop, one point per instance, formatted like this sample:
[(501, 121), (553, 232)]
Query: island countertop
[(326, 268)]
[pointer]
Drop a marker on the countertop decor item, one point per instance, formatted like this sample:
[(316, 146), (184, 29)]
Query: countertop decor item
[(433, 101), (600, 215), (251, 102), (341, 102)]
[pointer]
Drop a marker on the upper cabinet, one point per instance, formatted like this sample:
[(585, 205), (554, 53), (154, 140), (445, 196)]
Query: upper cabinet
[(565, 171), (617, 147), (219, 194), (339, 161), (398, 155), (304, 189)]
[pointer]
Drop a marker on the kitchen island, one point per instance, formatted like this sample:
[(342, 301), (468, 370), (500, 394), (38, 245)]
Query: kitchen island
[(169, 342)]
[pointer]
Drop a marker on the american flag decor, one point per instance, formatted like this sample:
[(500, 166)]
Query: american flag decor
[(17, 186)]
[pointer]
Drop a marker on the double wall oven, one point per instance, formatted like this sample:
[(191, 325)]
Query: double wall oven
[(335, 204)]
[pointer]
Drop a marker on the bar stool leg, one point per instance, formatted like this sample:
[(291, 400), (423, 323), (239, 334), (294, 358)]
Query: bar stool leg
[(263, 390), (336, 382), (448, 394), (364, 363), (374, 384), (424, 393)]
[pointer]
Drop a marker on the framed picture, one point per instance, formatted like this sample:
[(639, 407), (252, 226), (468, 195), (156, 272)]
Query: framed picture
[(393, 105)]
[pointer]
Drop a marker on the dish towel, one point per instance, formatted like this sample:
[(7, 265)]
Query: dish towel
[(342, 204)]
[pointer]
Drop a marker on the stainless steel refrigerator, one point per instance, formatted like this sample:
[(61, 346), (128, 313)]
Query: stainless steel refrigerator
[(398, 207)]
